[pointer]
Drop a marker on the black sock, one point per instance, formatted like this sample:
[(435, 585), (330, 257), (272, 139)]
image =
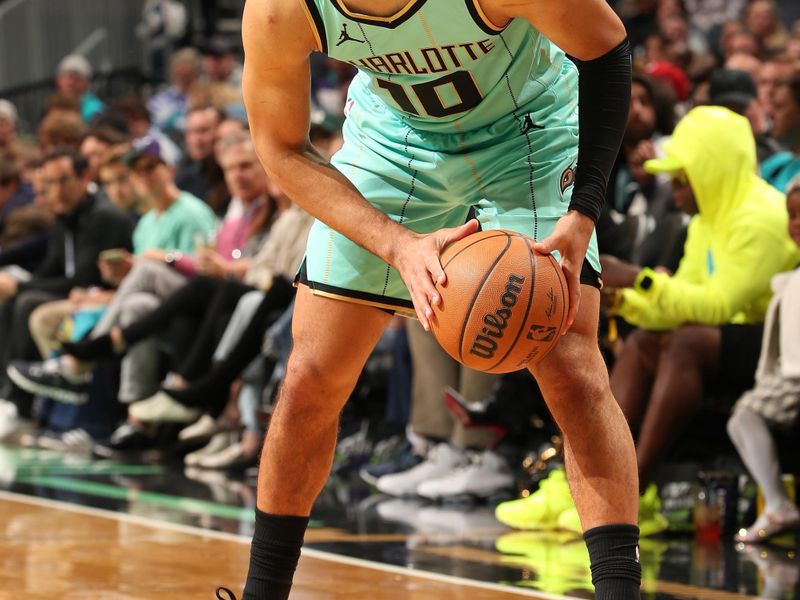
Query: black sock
[(90, 349), (614, 556), (273, 556)]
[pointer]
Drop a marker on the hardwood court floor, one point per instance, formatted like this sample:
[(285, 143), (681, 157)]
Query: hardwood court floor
[(49, 551), (77, 527)]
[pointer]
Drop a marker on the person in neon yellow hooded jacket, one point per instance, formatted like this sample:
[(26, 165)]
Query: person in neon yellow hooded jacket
[(737, 240), (699, 329)]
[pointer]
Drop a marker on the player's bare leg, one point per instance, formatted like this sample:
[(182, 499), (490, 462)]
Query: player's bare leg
[(598, 447), (332, 341)]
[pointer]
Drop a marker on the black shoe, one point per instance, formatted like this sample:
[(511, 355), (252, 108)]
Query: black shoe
[(224, 590), (126, 438), (48, 379)]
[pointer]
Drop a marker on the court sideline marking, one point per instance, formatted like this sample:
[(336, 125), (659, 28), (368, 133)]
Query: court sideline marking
[(309, 552)]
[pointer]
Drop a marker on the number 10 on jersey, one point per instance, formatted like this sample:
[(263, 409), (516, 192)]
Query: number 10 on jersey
[(429, 94)]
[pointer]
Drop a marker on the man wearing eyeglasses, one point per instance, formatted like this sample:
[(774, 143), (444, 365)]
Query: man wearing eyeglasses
[(699, 329), (85, 226)]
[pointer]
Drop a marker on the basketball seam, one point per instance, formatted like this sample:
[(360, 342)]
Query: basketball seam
[(475, 297), (563, 312), (530, 303), (488, 237)]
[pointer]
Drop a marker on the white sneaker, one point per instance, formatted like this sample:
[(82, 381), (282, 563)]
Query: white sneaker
[(74, 440), (205, 426), (231, 456), (219, 442), (486, 474), (441, 460), (9, 419), (162, 408)]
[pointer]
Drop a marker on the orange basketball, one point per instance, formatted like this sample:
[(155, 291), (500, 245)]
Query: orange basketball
[(504, 305)]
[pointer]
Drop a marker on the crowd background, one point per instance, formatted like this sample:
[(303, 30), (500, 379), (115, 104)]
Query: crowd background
[(146, 268)]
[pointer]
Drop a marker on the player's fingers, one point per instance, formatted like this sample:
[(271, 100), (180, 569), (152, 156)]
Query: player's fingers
[(432, 273), (419, 306), (545, 246), (456, 233), (436, 273)]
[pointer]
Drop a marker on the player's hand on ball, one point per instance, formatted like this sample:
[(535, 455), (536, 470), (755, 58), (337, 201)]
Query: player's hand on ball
[(571, 238), (419, 266)]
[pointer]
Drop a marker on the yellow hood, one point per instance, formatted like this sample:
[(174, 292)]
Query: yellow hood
[(716, 149)]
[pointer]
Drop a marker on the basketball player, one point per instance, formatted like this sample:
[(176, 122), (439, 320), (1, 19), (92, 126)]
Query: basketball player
[(457, 103)]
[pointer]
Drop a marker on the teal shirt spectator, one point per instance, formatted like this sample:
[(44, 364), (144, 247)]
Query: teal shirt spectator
[(780, 169), (175, 228), (90, 106)]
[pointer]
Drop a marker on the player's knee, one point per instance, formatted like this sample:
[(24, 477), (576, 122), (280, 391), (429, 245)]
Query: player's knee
[(314, 388), (580, 382)]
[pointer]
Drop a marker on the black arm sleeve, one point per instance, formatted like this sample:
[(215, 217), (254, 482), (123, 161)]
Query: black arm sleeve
[(604, 96)]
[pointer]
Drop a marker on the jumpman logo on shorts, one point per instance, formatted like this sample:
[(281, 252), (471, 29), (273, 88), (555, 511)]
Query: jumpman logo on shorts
[(528, 124), (346, 37)]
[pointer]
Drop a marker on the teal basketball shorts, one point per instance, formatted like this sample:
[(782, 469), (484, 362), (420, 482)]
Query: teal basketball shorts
[(516, 174)]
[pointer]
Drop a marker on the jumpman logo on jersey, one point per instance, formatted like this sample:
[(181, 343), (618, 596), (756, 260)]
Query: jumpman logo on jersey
[(346, 37), (528, 124)]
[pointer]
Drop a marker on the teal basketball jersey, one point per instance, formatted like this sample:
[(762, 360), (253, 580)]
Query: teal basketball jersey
[(440, 65)]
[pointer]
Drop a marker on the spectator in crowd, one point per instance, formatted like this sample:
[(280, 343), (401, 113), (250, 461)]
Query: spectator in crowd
[(763, 20), (8, 126), (699, 328), (62, 101), (25, 229), (639, 223), (783, 167), (200, 174), (770, 72), (61, 129), (86, 226), (742, 41), (742, 61), (201, 382), (133, 109), (115, 179), (95, 145), (774, 402), (673, 76), (227, 127), (171, 225), (168, 108), (165, 272), (220, 63), (24, 224), (14, 193), (73, 77), (736, 91)]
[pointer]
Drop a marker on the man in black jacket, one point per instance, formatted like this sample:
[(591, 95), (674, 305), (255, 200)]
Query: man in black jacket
[(86, 225)]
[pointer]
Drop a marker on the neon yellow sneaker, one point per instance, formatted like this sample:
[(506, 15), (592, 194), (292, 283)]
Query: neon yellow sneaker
[(570, 521), (541, 509), (651, 521)]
